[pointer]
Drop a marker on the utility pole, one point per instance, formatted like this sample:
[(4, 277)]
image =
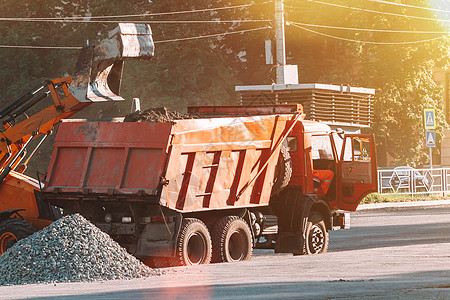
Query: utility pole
[(280, 43), (286, 74)]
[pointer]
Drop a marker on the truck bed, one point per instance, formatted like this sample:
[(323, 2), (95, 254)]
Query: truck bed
[(187, 165)]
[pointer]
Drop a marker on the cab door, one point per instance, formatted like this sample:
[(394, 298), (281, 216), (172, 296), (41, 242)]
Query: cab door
[(357, 170)]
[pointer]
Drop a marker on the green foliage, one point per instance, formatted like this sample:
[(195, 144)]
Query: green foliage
[(385, 198), (401, 74), (201, 71)]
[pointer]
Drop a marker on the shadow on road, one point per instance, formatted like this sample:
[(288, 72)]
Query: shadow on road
[(417, 285), (358, 238)]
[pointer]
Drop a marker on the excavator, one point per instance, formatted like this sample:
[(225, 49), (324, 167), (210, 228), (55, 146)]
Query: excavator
[(24, 126)]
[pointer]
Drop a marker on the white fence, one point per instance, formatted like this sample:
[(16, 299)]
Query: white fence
[(405, 180)]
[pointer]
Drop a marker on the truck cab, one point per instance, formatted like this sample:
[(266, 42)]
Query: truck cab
[(315, 146)]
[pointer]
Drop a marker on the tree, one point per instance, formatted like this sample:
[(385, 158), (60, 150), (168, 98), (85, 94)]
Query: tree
[(401, 73), (200, 71)]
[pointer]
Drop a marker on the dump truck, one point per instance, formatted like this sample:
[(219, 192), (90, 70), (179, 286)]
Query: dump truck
[(211, 188), (32, 117)]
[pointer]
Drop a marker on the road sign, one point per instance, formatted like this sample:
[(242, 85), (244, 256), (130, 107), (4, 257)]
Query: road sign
[(430, 138), (428, 119)]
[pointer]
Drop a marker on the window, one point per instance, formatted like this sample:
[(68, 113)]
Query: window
[(361, 149), (357, 149), (321, 147), (348, 153)]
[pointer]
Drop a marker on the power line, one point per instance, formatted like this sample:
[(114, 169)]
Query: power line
[(378, 12), (83, 18), (411, 6), (155, 42), (139, 21), (367, 42), (41, 47), (369, 29), (211, 35)]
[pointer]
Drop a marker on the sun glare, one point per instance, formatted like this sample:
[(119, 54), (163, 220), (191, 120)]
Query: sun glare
[(442, 12)]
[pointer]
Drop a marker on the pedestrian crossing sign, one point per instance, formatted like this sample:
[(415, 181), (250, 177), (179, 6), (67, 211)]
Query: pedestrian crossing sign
[(430, 138), (429, 119)]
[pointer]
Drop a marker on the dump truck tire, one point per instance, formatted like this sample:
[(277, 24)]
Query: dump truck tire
[(13, 230), (316, 237), (232, 240), (194, 244), (283, 170)]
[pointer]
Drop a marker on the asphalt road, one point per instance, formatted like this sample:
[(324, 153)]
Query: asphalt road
[(387, 254)]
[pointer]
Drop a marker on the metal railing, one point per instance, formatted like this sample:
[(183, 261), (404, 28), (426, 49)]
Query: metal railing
[(404, 180)]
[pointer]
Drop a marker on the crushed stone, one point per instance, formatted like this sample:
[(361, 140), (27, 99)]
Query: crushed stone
[(156, 115), (71, 249)]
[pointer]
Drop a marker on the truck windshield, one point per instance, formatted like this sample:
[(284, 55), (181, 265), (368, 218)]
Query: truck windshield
[(321, 147)]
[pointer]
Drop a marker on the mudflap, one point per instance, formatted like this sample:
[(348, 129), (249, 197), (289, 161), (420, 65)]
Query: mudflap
[(289, 242), (291, 207), (159, 239)]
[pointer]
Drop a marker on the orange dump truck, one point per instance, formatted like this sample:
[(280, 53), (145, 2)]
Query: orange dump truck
[(212, 188)]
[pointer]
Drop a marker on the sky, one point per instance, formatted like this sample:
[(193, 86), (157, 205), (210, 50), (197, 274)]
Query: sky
[(442, 5)]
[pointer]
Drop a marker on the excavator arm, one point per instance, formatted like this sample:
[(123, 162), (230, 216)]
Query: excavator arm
[(97, 78)]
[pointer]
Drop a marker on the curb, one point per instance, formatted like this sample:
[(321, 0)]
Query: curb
[(402, 204)]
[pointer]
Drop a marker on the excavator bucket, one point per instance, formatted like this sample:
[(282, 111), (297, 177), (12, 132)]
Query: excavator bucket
[(99, 68)]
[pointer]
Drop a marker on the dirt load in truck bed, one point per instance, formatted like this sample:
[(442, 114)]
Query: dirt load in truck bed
[(155, 115)]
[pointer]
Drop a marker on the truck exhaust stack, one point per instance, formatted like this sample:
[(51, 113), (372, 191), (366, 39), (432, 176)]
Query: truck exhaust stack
[(98, 73)]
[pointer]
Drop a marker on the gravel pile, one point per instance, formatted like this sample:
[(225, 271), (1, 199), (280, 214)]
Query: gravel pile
[(155, 115), (69, 250)]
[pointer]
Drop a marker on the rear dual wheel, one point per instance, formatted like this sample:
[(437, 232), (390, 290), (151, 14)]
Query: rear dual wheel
[(13, 230), (232, 240), (193, 244)]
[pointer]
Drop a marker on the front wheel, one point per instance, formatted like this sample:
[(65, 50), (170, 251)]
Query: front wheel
[(13, 230), (316, 237), (193, 244)]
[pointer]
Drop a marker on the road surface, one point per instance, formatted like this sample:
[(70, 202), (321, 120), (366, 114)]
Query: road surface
[(390, 254)]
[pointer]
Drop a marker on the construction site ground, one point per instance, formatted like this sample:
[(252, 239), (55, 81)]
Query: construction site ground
[(389, 253)]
